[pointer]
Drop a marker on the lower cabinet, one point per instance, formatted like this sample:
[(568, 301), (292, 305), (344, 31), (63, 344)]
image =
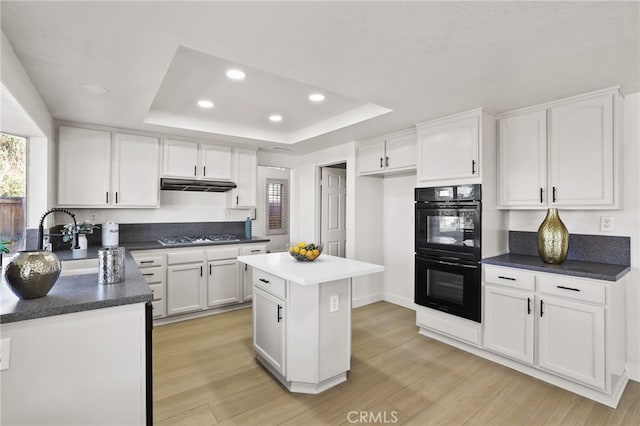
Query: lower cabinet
[(223, 283), (247, 272), (269, 335), (185, 285), (572, 328), (153, 267)]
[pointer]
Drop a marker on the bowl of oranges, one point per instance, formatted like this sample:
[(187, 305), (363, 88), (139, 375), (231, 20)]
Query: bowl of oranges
[(305, 252)]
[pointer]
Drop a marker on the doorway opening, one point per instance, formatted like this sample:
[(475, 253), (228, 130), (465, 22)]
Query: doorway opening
[(332, 209)]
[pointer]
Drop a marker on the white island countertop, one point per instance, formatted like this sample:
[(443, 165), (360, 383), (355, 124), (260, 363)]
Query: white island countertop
[(324, 268)]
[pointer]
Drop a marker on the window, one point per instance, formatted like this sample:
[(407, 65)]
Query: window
[(13, 178), (277, 207)]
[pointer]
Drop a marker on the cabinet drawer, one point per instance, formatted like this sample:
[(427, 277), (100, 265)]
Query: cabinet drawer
[(571, 289), (222, 253), (147, 260), (269, 283), (154, 275), (509, 277), (191, 256), (159, 308), (158, 291), (245, 251)]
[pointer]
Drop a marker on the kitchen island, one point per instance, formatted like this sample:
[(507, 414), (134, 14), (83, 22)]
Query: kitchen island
[(302, 317)]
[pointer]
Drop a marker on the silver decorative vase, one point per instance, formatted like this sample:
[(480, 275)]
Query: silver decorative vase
[(32, 274), (553, 239)]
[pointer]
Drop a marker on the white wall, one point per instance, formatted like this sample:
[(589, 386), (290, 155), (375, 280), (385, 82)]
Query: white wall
[(40, 152), (398, 239), (627, 223), (364, 214)]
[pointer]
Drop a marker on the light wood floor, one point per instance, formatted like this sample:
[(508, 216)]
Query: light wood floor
[(205, 373)]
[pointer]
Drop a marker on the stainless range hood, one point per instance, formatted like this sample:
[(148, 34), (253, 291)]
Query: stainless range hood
[(171, 184)]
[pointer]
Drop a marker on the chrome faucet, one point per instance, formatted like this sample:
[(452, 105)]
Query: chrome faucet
[(41, 227)]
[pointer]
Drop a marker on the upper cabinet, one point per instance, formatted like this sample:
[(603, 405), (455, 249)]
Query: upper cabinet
[(564, 154), (450, 149), (393, 153), (245, 170), (183, 159), (99, 168)]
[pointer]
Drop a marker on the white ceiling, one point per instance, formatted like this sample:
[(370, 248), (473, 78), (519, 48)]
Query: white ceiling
[(422, 60)]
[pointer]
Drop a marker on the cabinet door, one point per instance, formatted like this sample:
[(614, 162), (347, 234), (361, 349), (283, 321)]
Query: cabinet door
[(581, 152), (223, 283), (522, 158), (269, 337), (245, 178), (371, 157), (216, 162), (571, 340), (400, 152), (449, 150), (508, 323), (247, 283), (136, 171), (180, 159), (184, 285), (84, 167)]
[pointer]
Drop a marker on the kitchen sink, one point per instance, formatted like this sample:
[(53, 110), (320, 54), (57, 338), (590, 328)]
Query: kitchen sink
[(79, 267)]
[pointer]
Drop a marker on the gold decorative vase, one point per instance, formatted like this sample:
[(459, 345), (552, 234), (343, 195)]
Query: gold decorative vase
[(553, 239)]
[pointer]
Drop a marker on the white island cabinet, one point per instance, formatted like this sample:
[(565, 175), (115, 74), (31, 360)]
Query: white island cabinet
[(302, 317)]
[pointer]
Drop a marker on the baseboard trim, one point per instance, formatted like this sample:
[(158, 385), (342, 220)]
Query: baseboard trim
[(399, 300), (366, 300), (633, 369)]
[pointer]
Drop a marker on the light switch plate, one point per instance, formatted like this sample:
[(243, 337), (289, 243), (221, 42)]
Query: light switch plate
[(5, 353)]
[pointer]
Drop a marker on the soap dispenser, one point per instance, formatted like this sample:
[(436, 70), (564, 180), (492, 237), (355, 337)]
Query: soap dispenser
[(247, 228)]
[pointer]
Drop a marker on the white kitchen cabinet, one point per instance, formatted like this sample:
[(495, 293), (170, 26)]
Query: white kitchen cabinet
[(508, 322), (135, 171), (390, 154), (269, 337), (449, 148), (84, 167), (98, 169), (247, 273), (582, 152), (565, 154), (153, 267), (245, 169), (184, 159), (186, 288), (522, 161), (565, 326), (223, 283), (571, 340)]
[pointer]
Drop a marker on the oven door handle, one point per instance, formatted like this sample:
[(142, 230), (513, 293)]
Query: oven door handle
[(454, 264)]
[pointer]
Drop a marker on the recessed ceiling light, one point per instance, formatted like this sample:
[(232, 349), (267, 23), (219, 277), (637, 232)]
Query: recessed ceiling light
[(316, 97), (236, 74), (275, 118), (94, 88), (205, 104)]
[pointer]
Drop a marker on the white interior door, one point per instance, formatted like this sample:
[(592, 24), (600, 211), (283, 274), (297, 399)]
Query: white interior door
[(333, 233)]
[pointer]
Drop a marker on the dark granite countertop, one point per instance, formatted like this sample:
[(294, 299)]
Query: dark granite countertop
[(76, 293), (576, 268)]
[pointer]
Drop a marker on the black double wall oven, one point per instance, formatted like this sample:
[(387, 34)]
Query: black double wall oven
[(447, 249)]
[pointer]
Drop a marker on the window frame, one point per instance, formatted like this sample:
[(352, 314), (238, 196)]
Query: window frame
[(284, 229)]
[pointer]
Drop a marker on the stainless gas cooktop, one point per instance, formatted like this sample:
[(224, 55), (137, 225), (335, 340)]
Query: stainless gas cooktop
[(197, 239)]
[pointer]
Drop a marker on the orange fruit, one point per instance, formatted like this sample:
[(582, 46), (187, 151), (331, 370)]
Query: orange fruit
[(303, 252)]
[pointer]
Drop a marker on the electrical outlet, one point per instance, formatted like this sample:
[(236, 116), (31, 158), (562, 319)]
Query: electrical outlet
[(607, 223), (93, 217), (334, 303), (5, 353)]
